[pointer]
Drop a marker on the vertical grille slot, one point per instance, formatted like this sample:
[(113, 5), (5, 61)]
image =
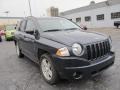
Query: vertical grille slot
[(93, 51), (108, 44), (97, 50), (101, 48), (89, 52)]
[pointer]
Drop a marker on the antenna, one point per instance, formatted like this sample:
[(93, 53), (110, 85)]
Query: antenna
[(30, 7)]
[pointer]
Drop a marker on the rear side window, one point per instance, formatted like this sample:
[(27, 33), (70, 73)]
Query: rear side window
[(23, 25)]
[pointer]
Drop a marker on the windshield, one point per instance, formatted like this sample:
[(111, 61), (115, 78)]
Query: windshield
[(56, 24), (10, 27)]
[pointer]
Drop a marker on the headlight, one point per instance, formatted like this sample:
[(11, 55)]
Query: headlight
[(77, 49), (63, 52)]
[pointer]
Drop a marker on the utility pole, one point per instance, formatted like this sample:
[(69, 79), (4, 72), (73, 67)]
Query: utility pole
[(30, 7)]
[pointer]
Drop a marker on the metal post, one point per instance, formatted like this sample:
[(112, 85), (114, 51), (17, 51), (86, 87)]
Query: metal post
[(30, 8)]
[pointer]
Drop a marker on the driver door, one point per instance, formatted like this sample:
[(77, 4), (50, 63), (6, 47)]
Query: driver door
[(29, 40)]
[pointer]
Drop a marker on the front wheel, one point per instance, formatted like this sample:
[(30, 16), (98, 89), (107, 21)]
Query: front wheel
[(48, 70), (18, 51)]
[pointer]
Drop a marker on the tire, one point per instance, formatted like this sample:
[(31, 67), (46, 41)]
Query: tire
[(48, 71), (18, 51)]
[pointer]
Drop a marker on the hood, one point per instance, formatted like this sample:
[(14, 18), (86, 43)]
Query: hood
[(74, 36)]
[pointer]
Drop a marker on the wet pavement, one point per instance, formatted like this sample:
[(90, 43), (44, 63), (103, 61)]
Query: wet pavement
[(23, 74)]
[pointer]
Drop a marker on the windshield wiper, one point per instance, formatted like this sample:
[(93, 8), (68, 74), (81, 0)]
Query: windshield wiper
[(53, 30), (71, 28)]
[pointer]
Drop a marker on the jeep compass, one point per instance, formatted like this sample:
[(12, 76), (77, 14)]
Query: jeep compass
[(62, 49)]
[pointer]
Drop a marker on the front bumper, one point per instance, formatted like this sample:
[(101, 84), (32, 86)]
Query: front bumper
[(75, 68), (9, 36)]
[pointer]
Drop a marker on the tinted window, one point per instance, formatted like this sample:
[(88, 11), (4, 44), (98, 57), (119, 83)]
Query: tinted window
[(22, 25), (56, 23), (30, 27)]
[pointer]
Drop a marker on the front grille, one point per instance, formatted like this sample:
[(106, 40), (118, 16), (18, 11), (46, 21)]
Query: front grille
[(97, 50)]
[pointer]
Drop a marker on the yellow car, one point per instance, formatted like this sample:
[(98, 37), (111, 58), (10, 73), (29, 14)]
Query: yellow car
[(9, 32)]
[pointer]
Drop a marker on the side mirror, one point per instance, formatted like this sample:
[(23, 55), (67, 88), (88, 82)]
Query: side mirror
[(37, 34), (85, 28)]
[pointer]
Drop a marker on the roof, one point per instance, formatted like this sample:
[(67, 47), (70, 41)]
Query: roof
[(91, 6), (41, 18), (32, 17), (11, 17)]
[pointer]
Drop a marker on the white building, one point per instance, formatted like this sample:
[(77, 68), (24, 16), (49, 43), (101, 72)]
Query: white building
[(95, 15), (9, 20)]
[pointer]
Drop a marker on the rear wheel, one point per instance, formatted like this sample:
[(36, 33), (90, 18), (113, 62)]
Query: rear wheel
[(18, 51), (48, 70)]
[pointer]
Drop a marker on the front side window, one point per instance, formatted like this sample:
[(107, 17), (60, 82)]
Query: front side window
[(30, 27), (88, 18), (56, 23), (100, 17), (115, 15), (22, 25)]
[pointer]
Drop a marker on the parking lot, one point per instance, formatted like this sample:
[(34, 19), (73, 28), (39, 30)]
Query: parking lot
[(23, 74)]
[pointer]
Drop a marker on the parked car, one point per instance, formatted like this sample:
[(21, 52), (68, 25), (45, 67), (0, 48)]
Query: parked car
[(9, 32), (62, 49), (2, 32), (117, 24)]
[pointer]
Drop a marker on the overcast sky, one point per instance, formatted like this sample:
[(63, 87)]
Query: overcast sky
[(20, 8)]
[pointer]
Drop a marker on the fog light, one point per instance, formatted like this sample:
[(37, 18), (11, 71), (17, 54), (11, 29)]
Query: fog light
[(77, 75)]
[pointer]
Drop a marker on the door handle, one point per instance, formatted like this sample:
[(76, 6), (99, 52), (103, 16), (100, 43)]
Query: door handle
[(21, 36), (28, 39)]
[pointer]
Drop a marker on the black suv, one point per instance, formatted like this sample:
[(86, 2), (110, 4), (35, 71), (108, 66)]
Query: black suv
[(62, 49)]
